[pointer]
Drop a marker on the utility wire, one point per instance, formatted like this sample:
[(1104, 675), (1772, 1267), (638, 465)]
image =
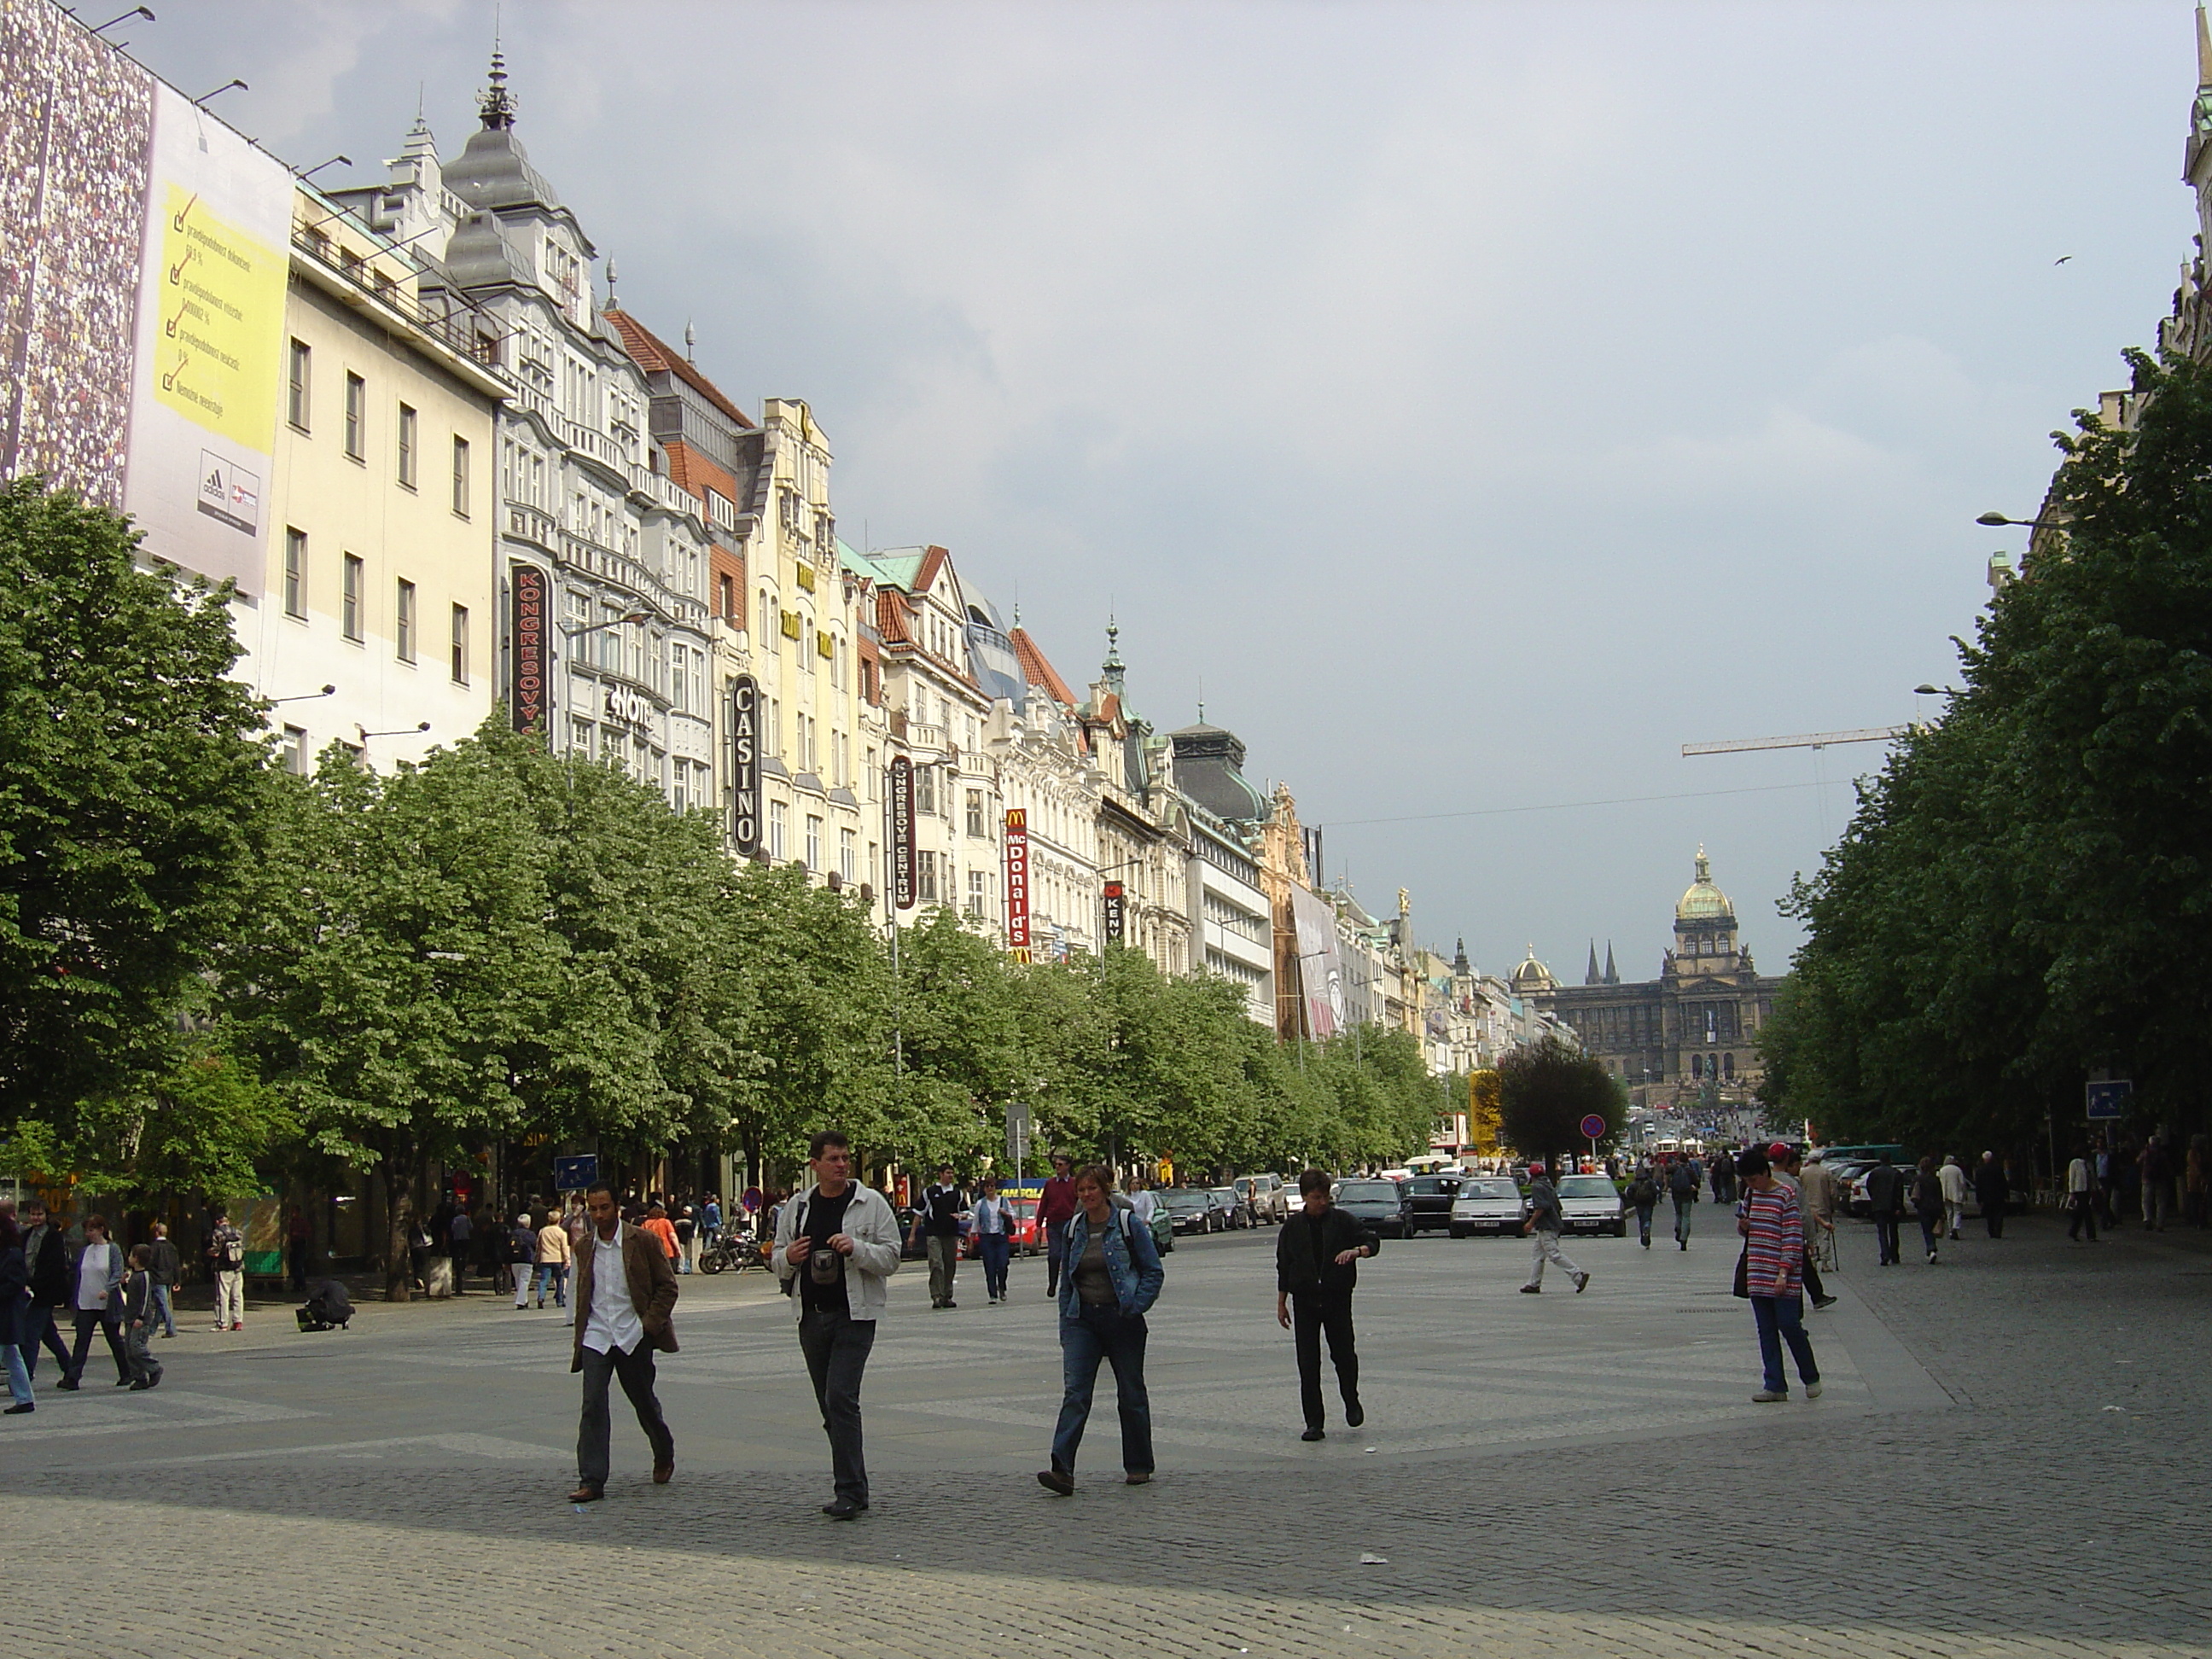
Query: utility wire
[(1571, 805)]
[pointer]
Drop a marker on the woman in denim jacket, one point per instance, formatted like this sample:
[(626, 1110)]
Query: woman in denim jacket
[(1113, 1275)]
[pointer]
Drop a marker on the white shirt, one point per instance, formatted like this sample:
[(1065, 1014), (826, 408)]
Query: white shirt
[(92, 1275), (613, 1326), (2078, 1176), (1143, 1204)]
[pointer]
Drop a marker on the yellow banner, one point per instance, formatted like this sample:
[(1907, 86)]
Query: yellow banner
[(222, 306)]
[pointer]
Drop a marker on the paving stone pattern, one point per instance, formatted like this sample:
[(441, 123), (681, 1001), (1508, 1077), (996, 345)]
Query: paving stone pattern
[(2009, 1458)]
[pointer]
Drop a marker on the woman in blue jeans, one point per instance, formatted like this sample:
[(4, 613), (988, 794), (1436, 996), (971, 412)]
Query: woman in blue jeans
[(1113, 1275)]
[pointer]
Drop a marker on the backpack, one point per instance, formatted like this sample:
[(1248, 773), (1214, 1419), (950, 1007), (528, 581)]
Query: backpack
[(230, 1253), (1679, 1181)]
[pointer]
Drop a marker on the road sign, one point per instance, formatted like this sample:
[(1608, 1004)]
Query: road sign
[(1017, 1134), (1593, 1126), (2108, 1100), (573, 1175)]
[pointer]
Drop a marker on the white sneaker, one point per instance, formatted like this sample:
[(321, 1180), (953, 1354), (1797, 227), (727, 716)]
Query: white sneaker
[(1812, 1391), (1768, 1396)]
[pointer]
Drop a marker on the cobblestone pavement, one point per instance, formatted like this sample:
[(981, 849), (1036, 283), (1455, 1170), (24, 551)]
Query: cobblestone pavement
[(2009, 1458)]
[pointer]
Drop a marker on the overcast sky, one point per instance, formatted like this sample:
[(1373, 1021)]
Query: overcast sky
[(1480, 401)]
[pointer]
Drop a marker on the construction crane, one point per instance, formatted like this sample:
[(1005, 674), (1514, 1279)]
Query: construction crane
[(1806, 740)]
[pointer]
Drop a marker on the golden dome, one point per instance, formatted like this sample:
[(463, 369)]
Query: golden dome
[(1703, 901), (1532, 976)]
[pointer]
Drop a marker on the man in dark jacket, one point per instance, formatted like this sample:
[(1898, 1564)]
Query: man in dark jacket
[(1992, 1192), (1317, 1268), (46, 1269), (1055, 1209), (625, 1292), (1885, 1185)]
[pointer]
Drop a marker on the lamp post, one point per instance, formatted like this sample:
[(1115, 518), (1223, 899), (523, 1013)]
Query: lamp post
[(306, 697), (1994, 519), (226, 87)]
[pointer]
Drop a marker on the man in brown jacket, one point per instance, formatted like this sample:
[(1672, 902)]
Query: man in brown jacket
[(625, 1291)]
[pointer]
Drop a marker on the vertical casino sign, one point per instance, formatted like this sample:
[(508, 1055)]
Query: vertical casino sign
[(527, 693), (744, 765), (900, 809), (1018, 883)]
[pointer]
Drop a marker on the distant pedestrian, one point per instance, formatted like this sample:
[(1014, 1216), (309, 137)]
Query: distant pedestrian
[(138, 1314), (168, 1271), (1993, 1192), (1952, 1178), (96, 1300), (226, 1255), (2081, 1195), (1643, 1196), (1816, 1208), (15, 1309), (1723, 1179), (992, 1223), (687, 1231), (1144, 1200), (710, 1221), (625, 1295), (1788, 1170), (1682, 1182), (554, 1253), (1056, 1207), (521, 1256), (2157, 1172), (1774, 1256), (657, 1222), (1113, 1278), (1927, 1206), (835, 1244), (1543, 1228), (1317, 1256), (943, 1204), (460, 1233), (1885, 1185), (46, 1269)]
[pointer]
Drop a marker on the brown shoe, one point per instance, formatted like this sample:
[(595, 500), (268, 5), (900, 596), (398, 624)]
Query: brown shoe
[(585, 1495), (662, 1473)]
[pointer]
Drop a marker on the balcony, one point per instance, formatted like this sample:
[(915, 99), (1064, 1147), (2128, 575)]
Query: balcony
[(527, 524)]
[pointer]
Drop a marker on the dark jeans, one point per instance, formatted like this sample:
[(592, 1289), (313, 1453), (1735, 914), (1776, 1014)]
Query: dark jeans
[(1055, 1251), (1993, 1216), (993, 1247), (635, 1368), (1812, 1273), (1931, 1229), (2085, 1210), (1310, 1316), (1643, 1223), (35, 1325), (1885, 1237), (1094, 1334), (1782, 1319), (836, 1346), (1683, 1207), (168, 1314), (298, 1252), (110, 1326)]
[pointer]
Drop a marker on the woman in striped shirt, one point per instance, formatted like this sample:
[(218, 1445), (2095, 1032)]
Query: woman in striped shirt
[(1774, 1257)]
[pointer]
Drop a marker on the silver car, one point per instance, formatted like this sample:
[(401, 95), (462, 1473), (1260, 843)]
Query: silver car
[(1265, 1196), (1488, 1204)]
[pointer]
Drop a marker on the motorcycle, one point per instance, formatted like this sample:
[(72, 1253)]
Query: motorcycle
[(733, 1249)]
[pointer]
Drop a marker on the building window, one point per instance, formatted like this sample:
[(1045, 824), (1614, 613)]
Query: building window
[(579, 736), (295, 751), (765, 635), (975, 814), (848, 855), (924, 876), (407, 445), (925, 791), (458, 644), (461, 477), (350, 615), (779, 821), (725, 597), (976, 881), (813, 843), (679, 795), (356, 416), (296, 572), (300, 366), (403, 621)]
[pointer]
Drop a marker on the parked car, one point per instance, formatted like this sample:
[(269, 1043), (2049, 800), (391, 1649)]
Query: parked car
[(1022, 1212), (1488, 1204), (1188, 1209), (1230, 1204), (1381, 1204), (1591, 1204), (1429, 1202), (1270, 1198)]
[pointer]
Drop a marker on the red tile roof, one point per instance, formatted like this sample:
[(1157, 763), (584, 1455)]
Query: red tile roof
[(653, 356), (1036, 670)]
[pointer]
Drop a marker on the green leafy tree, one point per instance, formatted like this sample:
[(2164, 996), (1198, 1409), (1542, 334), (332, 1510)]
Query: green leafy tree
[(1544, 1091)]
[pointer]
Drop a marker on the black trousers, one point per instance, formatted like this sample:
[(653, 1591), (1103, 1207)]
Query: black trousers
[(2084, 1207), (1812, 1285), (110, 1326), (635, 1368), (1884, 1234), (1993, 1214), (1310, 1315), (836, 1346)]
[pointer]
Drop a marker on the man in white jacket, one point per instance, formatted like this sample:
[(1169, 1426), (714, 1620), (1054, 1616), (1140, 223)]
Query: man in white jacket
[(835, 1244), (1952, 1180)]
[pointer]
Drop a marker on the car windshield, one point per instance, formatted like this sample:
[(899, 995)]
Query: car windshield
[(1588, 1186), (1430, 1186), (1186, 1199), (1368, 1192), (1490, 1190)]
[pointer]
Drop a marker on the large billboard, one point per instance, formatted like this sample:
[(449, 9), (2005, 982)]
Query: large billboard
[(1320, 963), (142, 308)]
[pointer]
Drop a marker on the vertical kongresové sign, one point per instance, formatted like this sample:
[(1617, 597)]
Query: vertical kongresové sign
[(528, 586), (1018, 883), (901, 832), (744, 765)]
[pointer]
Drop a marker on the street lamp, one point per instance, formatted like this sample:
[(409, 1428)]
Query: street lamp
[(612, 622), (219, 91), (306, 697), (404, 732), (335, 161), (146, 12), (1994, 519)]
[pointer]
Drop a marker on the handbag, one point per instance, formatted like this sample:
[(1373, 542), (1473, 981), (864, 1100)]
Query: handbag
[(1742, 1288)]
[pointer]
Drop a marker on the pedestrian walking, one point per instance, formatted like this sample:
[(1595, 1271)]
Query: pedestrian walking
[(1683, 1180), (943, 1204), (168, 1271), (139, 1313), (1816, 1209), (1952, 1178), (521, 1256), (1112, 1277), (687, 1230), (555, 1253), (835, 1244), (2157, 1173), (96, 1300), (1055, 1208), (625, 1298), (15, 1309), (1885, 1185), (226, 1255), (1145, 1201), (1317, 1256), (2081, 1195), (576, 1222), (1927, 1205), (1724, 1178), (46, 1270), (460, 1235), (1993, 1192), (1542, 1227), (1643, 1196), (657, 1222), (1787, 1167), (710, 1221), (1773, 1260), (993, 1225)]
